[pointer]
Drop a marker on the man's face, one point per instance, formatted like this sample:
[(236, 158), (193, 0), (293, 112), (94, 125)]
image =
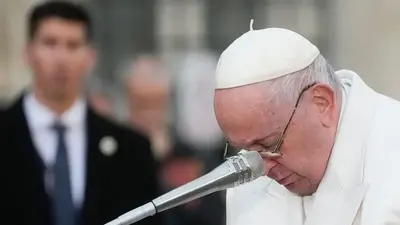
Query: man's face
[(250, 122), (60, 56), (149, 105), (148, 93)]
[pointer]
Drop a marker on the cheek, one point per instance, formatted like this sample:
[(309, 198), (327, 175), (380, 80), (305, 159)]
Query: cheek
[(78, 61), (296, 151), (295, 143), (302, 135), (77, 68), (42, 60)]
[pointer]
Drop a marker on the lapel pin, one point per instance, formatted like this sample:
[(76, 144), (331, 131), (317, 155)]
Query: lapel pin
[(108, 146)]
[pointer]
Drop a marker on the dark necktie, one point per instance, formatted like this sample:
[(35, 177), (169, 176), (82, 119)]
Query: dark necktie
[(63, 207)]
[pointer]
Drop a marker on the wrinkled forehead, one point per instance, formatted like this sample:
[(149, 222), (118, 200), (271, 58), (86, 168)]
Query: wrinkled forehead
[(245, 113), (253, 98)]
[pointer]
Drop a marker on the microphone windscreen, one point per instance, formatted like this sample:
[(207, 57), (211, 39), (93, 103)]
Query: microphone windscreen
[(255, 162)]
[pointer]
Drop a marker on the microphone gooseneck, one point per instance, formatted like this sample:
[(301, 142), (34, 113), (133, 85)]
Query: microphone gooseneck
[(242, 168)]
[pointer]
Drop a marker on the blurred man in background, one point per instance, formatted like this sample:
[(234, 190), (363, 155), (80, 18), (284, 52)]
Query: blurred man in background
[(148, 93), (196, 131), (62, 163), (182, 158)]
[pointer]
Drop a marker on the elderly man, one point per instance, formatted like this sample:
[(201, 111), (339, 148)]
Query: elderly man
[(148, 92), (329, 142)]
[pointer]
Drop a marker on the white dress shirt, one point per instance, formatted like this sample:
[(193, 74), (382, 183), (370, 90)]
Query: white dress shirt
[(40, 119)]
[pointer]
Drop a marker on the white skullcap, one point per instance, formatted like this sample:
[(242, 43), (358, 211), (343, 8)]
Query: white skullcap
[(262, 55)]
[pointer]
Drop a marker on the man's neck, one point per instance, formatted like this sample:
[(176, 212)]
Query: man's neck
[(139, 125), (58, 106)]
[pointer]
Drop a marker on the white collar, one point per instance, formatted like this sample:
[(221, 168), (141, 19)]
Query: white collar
[(40, 115), (345, 84)]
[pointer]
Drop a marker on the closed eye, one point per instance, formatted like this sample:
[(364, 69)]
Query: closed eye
[(268, 148)]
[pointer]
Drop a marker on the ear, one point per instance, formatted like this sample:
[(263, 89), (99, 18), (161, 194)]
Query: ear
[(323, 97)]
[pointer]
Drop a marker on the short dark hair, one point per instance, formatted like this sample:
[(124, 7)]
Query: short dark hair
[(58, 9)]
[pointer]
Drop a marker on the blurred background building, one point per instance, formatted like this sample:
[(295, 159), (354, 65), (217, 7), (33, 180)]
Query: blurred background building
[(352, 34), (182, 40)]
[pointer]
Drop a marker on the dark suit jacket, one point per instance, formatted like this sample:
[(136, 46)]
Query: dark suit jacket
[(114, 184)]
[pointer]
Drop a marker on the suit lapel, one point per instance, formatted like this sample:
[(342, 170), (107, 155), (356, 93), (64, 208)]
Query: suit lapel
[(92, 171), (21, 130), (37, 201), (97, 172), (342, 189)]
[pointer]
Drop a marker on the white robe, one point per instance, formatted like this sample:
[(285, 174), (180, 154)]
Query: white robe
[(361, 185)]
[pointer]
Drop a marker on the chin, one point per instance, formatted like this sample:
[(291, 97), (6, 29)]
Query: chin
[(300, 190), (61, 94)]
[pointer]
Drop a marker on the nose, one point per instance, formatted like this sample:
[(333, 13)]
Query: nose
[(61, 53), (269, 164)]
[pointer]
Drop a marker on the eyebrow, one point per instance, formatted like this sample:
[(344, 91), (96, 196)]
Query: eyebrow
[(270, 138)]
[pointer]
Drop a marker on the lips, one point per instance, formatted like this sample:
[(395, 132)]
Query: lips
[(292, 178), (280, 174)]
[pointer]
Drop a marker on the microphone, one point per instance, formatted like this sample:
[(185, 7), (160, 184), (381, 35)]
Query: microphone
[(244, 167)]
